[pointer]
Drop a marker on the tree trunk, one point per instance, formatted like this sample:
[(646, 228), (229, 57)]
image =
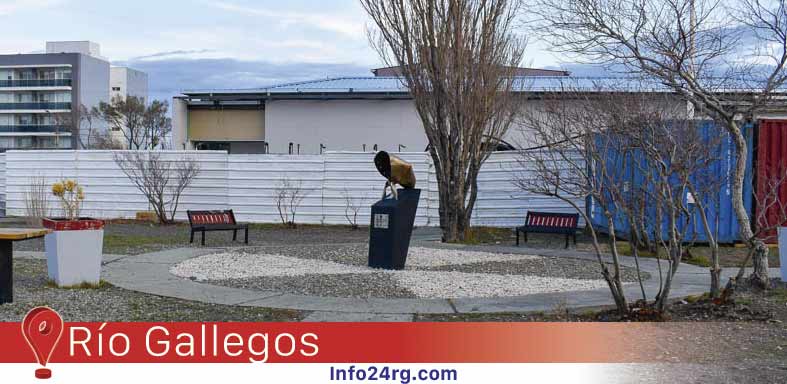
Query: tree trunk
[(453, 220), (760, 257)]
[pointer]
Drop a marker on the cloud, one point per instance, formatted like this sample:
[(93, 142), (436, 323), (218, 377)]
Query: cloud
[(8, 7), (171, 54), (168, 77), (328, 22)]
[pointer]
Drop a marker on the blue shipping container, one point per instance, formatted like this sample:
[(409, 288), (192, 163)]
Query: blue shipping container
[(628, 175)]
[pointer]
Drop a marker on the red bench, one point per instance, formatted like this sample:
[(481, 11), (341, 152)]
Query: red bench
[(207, 221), (548, 222)]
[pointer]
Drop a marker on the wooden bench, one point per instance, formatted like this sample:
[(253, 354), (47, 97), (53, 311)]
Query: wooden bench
[(548, 222), (210, 221)]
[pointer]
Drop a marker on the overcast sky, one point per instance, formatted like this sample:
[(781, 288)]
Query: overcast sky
[(201, 44)]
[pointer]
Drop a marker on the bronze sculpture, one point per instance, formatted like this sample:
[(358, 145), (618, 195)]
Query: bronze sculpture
[(396, 171)]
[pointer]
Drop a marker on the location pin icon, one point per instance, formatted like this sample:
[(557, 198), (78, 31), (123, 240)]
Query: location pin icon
[(42, 328)]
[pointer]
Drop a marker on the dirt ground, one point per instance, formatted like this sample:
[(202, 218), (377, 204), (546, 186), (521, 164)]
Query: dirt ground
[(742, 341), (731, 255)]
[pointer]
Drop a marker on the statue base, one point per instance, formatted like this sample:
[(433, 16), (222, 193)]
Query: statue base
[(391, 229)]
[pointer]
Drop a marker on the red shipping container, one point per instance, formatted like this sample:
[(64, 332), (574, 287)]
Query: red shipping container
[(771, 177)]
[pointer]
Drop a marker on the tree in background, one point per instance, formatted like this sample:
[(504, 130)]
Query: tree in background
[(696, 48), (635, 157), (162, 181), (143, 126), (83, 128), (458, 59)]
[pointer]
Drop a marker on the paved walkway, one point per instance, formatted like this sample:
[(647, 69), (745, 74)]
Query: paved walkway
[(149, 273)]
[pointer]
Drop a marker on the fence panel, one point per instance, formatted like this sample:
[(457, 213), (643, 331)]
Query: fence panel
[(249, 185)]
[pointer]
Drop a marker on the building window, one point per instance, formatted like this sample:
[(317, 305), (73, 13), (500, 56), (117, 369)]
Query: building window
[(116, 89)]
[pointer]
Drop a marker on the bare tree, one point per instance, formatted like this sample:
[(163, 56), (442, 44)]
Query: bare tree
[(572, 164), (352, 205), (771, 209), (157, 125), (126, 115), (289, 195), (36, 200), (694, 48), (143, 126), (636, 158), (458, 59), (161, 181), (81, 124)]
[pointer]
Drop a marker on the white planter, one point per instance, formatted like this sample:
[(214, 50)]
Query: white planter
[(783, 251), (74, 256)]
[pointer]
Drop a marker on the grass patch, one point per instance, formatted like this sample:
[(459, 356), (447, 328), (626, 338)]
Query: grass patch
[(487, 235), (112, 241), (780, 295), (101, 285), (743, 301)]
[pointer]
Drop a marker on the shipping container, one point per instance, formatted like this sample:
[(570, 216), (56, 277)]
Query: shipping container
[(771, 167), (629, 173)]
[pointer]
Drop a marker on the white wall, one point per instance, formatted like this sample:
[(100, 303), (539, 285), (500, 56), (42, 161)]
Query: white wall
[(343, 125), (248, 184)]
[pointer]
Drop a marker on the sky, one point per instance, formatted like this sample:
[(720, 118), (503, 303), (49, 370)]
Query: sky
[(210, 44)]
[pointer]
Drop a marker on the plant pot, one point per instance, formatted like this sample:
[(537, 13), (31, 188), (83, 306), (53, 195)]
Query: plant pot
[(783, 251), (74, 250)]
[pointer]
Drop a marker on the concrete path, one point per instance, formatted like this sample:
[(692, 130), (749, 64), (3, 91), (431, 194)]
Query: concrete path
[(149, 273)]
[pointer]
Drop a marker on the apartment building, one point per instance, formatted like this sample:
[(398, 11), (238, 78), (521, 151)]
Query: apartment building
[(41, 94), (125, 82)]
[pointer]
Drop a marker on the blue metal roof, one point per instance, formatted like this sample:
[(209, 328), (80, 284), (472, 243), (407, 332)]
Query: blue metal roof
[(394, 85)]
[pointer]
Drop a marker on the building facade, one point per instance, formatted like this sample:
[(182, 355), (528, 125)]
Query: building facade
[(366, 113), (43, 96), (125, 82)]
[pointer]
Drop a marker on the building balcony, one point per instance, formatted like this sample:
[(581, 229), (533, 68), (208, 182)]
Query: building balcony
[(33, 128), (35, 106), (35, 83)]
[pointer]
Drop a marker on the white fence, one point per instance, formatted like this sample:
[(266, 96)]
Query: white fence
[(248, 184)]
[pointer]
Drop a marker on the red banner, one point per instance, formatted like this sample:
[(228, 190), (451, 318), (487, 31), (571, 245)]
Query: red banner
[(333, 343)]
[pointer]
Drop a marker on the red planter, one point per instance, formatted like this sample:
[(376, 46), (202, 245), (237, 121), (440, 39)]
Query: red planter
[(62, 224)]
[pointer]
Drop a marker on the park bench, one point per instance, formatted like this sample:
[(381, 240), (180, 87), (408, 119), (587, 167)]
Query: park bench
[(210, 221), (549, 222)]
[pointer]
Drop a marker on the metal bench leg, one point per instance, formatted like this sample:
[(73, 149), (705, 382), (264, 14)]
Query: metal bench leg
[(191, 238), (568, 237), (234, 235), (524, 233), (517, 236), (203, 238), (246, 236)]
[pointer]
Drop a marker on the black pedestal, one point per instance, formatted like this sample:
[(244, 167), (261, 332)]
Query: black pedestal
[(391, 228), (6, 272)]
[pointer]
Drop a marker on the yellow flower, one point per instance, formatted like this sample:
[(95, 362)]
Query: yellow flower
[(70, 184), (80, 193), (58, 189)]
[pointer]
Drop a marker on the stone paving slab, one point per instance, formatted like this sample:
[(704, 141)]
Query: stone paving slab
[(350, 317)]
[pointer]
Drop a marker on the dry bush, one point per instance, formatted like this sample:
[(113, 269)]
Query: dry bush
[(36, 200), (289, 195)]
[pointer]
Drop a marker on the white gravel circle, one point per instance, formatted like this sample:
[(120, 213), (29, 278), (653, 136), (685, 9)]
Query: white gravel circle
[(222, 266), (423, 284), (434, 285), (438, 257)]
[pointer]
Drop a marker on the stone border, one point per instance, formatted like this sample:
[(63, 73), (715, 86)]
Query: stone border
[(149, 273)]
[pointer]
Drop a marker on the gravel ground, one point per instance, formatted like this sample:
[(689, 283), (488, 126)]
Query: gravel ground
[(362, 285), (542, 266), (434, 285), (114, 304), (431, 272), (232, 265)]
